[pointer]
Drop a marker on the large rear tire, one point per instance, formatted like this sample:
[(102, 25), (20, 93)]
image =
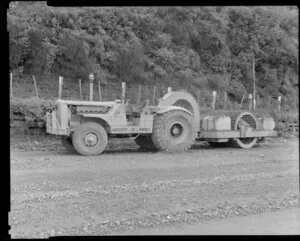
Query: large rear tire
[(145, 142), (89, 139), (173, 131)]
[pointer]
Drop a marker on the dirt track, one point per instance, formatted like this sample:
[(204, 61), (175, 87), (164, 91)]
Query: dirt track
[(58, 193)]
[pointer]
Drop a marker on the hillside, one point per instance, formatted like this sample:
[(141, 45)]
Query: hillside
[(200, 47)]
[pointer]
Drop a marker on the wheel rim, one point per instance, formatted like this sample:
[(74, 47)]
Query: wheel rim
[(176, 130), (90, 139)]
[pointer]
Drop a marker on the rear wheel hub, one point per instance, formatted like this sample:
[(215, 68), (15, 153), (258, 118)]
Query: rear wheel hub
[(176, 130)]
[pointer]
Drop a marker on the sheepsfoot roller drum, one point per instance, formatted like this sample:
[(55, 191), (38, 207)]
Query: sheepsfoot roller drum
[(173, 131), (244, 121)]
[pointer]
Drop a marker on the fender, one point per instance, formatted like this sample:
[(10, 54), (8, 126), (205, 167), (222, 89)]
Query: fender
[(163, 109), (171, 98)]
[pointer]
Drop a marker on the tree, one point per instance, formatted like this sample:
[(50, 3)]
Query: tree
[(211, 47), (36, 61), (130, 63), (74, 60)]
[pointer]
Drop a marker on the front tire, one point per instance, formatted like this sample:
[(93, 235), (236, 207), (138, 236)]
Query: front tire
[(173, 131), (89, 139)]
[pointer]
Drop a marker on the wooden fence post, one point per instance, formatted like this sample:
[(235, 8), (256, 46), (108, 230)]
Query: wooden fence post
[(269, 102), (214, 96), (225, 106), (11, 87), (99, 89), (226, 102), (139, 94), (250, 102), (154, 92), (80, 89), (91, 78), (254, 85), (279, 103), (35, 87), (241, 104), (217, 98), (123, 90), (91, 90), (60, 85)]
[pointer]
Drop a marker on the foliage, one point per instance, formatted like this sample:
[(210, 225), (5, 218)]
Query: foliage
[(204, 47), (32, 111), (74, 59)]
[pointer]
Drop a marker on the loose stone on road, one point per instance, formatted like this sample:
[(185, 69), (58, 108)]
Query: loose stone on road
[(138, 192)]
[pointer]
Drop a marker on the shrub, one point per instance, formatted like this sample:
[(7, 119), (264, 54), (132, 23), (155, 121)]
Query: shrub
[(32, 111)]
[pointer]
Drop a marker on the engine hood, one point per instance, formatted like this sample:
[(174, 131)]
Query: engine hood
[(86, 103)]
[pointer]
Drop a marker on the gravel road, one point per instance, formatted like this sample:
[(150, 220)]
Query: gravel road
[(126, 190), (282, 222)]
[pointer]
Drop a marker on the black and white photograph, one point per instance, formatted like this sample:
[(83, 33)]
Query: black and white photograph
[(153, 120)]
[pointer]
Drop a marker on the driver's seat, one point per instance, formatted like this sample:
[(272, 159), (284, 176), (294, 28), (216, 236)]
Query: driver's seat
[(141, 107)]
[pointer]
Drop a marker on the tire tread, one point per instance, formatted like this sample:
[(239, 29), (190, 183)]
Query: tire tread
[(157, 138)]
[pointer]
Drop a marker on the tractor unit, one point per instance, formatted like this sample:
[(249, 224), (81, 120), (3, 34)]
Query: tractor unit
[(171, 126)]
